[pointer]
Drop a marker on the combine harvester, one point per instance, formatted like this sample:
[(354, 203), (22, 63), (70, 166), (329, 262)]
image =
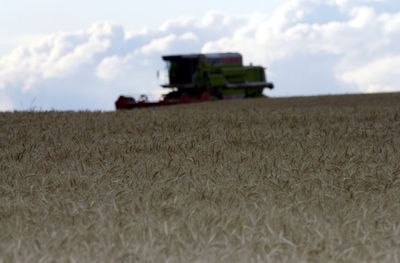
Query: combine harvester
[(203, 77)]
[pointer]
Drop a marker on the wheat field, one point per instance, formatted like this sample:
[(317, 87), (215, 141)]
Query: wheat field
[(263, 180)]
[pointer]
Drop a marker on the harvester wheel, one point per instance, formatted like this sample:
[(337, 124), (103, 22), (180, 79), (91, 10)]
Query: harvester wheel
[(205, 96), (217, 93), (124, 102), (184, 97)]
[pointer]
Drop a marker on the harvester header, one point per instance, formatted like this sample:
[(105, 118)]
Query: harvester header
[(201, 77)]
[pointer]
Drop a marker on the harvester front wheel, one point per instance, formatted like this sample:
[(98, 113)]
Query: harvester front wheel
[(185, 97), (217, 93), (205, 96)]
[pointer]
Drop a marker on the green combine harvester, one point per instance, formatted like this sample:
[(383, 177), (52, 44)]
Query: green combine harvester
[(202, 77)]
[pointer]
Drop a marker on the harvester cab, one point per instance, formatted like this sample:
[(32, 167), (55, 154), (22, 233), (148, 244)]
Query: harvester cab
[(201, 77)]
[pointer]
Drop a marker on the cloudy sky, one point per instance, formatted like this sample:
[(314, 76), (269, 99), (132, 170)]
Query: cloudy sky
[(80, 55)]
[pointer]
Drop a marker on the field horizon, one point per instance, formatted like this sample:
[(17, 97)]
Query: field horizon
[(300, 179)]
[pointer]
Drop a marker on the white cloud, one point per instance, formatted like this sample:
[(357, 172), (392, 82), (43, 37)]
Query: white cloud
[(347, 46), (377, 76), (110, 68), (362, 17), (159, 45), (392, 23), (54, 56)]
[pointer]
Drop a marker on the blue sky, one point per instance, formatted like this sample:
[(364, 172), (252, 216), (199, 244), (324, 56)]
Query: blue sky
[(75, 55)]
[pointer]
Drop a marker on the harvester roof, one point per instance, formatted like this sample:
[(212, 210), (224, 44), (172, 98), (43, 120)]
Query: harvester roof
[(230, 58)]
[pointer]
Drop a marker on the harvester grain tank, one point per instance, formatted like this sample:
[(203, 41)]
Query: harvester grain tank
[(201, 77)]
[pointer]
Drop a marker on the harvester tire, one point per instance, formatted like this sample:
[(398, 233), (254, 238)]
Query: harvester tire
[(216, 93)]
